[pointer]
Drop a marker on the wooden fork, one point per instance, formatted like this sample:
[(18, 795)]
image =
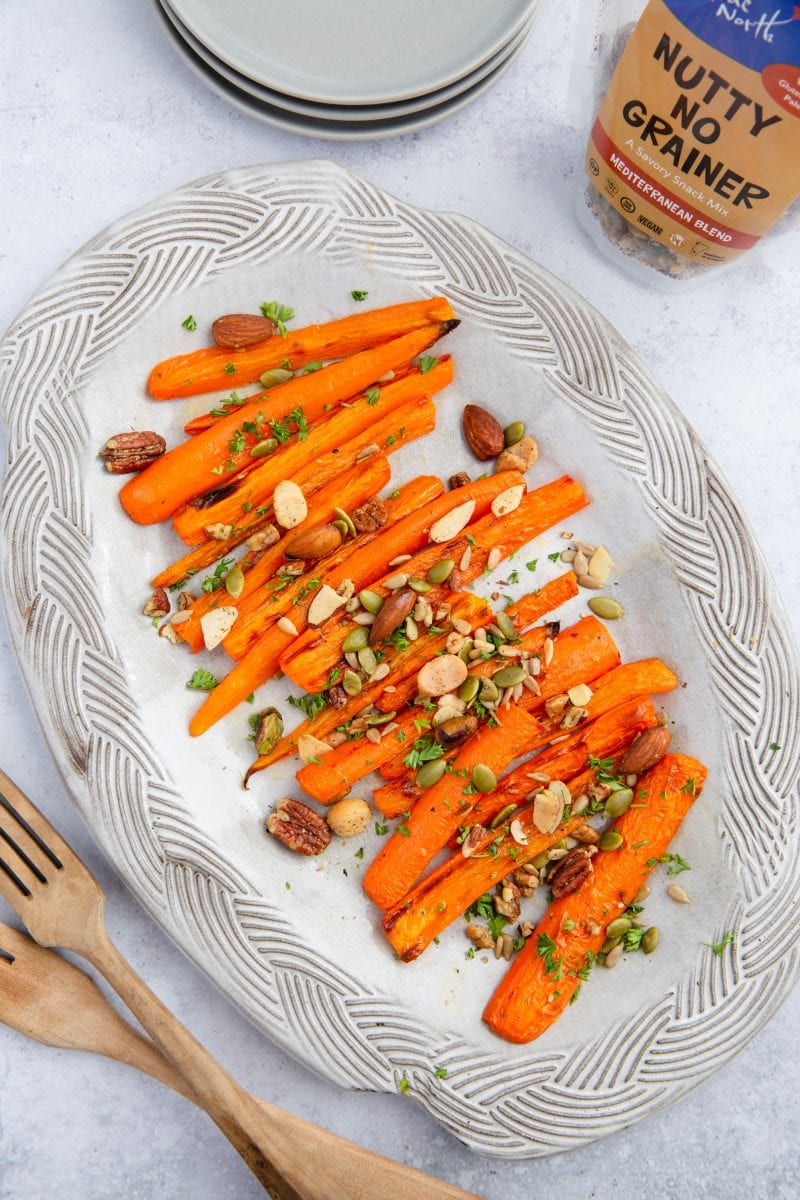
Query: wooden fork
[(61, 904), (48, 999)]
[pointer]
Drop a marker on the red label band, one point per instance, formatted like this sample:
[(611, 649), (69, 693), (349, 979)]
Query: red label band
[(660, 197)]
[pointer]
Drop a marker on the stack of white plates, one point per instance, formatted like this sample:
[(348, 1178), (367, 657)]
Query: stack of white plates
[(354, 69)]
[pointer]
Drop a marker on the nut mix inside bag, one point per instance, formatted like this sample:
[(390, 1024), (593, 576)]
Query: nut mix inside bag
[(695, 150)]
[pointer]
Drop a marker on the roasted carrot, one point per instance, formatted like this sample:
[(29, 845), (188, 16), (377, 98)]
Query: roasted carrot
[(349, 492), (447, 804), (646, 677), (400, 413), (547, 599), (189, 469), (546, 974), (238, 684), (209, 369), (406, 663)]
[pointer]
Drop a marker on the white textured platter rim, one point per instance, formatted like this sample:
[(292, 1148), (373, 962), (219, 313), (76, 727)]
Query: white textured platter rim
[(361, 52), (306, 963), (356, 130)]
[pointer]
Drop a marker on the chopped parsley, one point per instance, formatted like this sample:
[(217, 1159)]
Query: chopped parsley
[(425, 750), (311, 367), (381, 830), (441, 1072), (689, 788), (404, 1085), (311, 704), (229, 369), (359, 295), (632, 940), (372, 395), (202, 681), (484, 908), (774, 746), (427, 363), (555, 556), (189, 323), (273, 310), (546, 948), (719, 947), (360, 852), (213, 582), (513, 577), (678, 864), (532, 565)]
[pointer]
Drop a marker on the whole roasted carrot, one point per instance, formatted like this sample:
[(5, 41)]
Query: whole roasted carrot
[(261, 661), (406, 663), (389, 418), (209, 369), (189, 469), (547, 599), (349, 491), (547, 973), (448, 804)]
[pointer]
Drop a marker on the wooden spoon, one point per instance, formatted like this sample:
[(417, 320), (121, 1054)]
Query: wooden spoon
[(50, 1000)]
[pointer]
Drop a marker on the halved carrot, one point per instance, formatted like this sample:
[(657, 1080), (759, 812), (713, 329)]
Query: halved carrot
[(401, 412), (209, 369), (547, 599), (261, 661), (189, 469), (406, 663), (349, 491), (544, 977), (446, 805)]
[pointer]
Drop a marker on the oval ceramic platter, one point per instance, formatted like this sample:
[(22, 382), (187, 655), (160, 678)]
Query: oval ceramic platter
[(291, 941)]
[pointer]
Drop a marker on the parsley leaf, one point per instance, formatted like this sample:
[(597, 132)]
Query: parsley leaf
[(425, 750), (273, 310), (633, 939), (229, 369), (202, 681), (555, 556), (719, 947), (359, 295), (372, 395), (532, 565), (441, 1072), (546, 948), (189, 323), (311, 704), (213, 582), (427, 363), (404, 1085)]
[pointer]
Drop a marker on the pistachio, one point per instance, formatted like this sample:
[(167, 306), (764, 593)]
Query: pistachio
[(430, 773), (469, 689), (269, 730), (356, 640), (483, 778), (619, 802), (611, 840), (605, 607), (370, 600), (419, 585), (619, 927), (440, 571), (367, 660), (508, 676), (351, 683), (262, 449), (514, 433), (506, 625), (649, 940), (234, 582), (275, 376)]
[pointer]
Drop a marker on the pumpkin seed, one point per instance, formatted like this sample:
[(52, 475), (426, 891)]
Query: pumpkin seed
[(604, 606), (419, 585), (234, 582), (506, 625), (356, 640), (430, 773), (618, 928), (483, 778), (262, 449), (611, 840), (439, 572), (342, 526), (514, 433), (488, 691), (367, 660), (464, 652), (541, 860), (351, 683), (609, 944), (469, 689), (371, 601), (649, 940), (341, 515), (275, 376), (380, 718), (619, 802), (508, 676), (503, 815)]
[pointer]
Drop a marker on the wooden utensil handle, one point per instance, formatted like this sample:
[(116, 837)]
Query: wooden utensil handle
[(261, 1141)]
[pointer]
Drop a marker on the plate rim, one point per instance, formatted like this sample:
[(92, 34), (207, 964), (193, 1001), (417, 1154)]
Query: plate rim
[(748, 956)]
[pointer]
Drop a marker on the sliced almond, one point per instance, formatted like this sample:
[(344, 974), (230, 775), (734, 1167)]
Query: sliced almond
[(443, 674), (217, 623), (289, 504), (518, 833), (325, 603), (508, 501), (560, 790), (310, 748), (179, 617), (580, 695), (548, 810), (451, 524), (495, 556), (601, 565)]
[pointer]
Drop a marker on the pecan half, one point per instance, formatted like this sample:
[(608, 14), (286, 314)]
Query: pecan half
[(570, 873), (460, 479), (507, 903), (370, 516), (126, 453), (336, 696), (455, 580), (298, 827)]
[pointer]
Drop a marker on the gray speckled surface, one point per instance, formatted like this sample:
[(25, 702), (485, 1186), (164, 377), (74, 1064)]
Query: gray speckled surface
[(98, 117)]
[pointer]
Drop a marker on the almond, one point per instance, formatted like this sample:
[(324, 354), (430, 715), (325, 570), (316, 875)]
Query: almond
[(314, 543), (484, 434), (451, 524), (646, 749), (395, 609), (237, 331)]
